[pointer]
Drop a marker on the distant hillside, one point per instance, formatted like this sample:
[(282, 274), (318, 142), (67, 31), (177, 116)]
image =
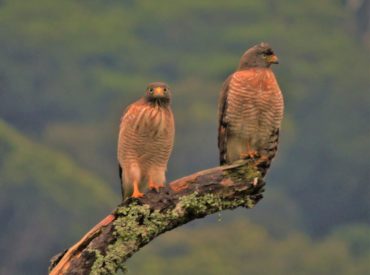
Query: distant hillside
[(46, 203), (241, 247), (68, 69)]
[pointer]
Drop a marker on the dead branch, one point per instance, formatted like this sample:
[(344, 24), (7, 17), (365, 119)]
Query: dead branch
[(136, 222)]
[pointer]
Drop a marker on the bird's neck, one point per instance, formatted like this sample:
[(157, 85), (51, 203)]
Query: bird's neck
[(160, 102), (256, 68), (252, 64)]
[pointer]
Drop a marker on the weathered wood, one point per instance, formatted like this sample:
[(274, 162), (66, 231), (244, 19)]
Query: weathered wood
[(105, 248)]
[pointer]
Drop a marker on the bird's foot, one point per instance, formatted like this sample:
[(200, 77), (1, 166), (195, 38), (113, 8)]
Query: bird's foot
[(137, 194), (250, 154), (155, 186)]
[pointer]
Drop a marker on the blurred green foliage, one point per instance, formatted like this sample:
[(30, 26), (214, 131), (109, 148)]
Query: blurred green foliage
[(46, 201), (241, 247), (68, 68)]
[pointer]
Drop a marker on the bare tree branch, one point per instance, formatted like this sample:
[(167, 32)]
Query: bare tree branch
[(136, 222)]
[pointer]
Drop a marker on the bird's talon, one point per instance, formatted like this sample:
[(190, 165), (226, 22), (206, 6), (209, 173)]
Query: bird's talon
[(155, 186), (137, 195), (248, 155), (255, 181)]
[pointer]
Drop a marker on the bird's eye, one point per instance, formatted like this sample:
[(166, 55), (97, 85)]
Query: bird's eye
[(165, 89), (268, 52), (151, 90)]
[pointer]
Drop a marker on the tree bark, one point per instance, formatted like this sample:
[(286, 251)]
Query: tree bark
[(136, 222)]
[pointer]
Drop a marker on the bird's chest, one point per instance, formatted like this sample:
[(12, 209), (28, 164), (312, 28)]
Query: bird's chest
[(252, 108), (153, 123)]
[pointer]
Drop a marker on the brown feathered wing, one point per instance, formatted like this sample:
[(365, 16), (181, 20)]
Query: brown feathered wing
[(222, 121)]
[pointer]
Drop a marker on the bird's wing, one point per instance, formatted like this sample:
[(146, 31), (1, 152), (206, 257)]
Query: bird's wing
[(127, 119), (273, 140), (120, 140), (222, 122), (271, 150)]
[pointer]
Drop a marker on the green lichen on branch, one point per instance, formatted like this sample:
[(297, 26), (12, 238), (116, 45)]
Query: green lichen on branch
[(136, 225), (111, 261), (243, 173)]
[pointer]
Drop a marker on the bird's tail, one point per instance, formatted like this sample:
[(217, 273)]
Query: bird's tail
[(122, 178), (222, 144), (270, 152), (126, 190)]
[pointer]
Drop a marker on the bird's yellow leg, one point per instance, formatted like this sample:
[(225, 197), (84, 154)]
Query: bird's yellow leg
[(137, 193), (250, 153), (153, 185)]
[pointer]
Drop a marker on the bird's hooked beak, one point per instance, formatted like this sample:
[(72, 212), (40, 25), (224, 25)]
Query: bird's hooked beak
[(159, 92), (272, 59)]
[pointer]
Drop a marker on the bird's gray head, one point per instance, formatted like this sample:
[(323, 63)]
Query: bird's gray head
[(158, 92), (260, 55)]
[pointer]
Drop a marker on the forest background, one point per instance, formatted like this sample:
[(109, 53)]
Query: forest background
[(68, 69)]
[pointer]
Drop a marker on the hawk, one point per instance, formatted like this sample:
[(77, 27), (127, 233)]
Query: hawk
[(145, 141), (250, 109)]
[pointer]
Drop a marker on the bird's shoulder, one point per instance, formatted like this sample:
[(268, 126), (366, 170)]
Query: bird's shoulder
[(131, 111), (254, 79), (236, 81), (251, 74), (222, 102)]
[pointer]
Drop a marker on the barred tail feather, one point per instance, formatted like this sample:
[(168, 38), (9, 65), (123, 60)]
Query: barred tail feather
[(120, 171), (271, 152), (222, 144)]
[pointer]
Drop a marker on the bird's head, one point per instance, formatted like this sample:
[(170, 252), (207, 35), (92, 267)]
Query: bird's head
[(260, 55), (158, 92)]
